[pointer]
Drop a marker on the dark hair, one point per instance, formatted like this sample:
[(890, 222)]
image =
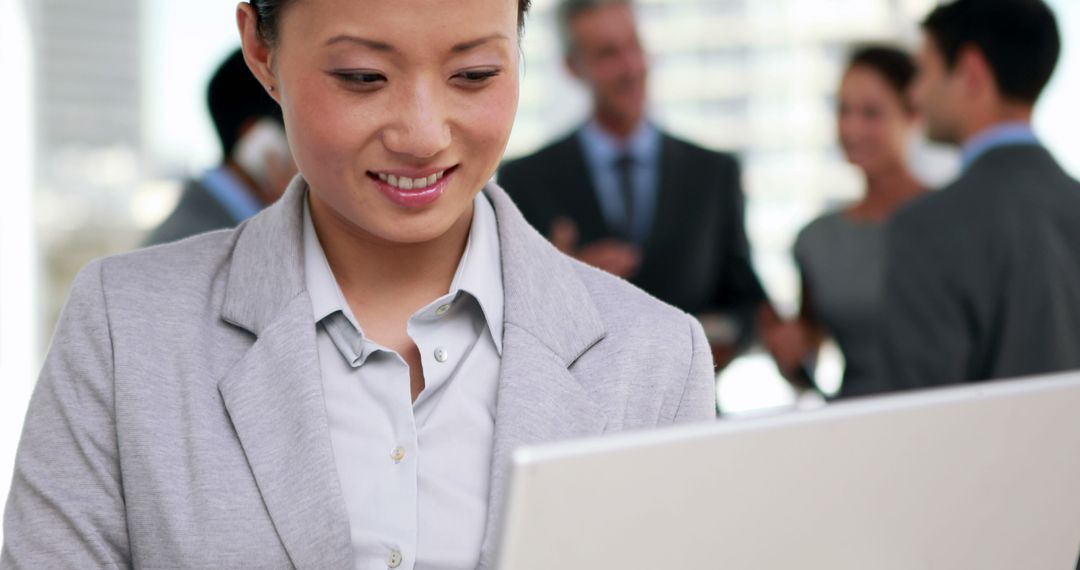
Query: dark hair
[(235, 97), (569, 10), (1019, 39), (894, 65), (269, 12)]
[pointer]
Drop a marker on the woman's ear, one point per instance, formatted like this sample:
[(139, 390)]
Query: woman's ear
[(257, 53)]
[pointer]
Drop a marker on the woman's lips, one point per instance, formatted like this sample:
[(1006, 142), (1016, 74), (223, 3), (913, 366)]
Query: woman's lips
[(403, 190)]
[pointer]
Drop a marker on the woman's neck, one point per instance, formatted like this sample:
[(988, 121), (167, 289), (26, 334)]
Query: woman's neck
[(886, 191), (383, 280)]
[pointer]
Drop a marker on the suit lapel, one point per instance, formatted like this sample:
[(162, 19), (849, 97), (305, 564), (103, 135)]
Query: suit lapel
[(274, 394), (274, 398), (575, 183), (671, 196), (550, 322)]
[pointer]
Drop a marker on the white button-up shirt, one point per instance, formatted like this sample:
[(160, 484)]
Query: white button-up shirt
[(415, 475)]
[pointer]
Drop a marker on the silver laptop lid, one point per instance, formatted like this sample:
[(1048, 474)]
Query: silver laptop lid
[(981, 476)]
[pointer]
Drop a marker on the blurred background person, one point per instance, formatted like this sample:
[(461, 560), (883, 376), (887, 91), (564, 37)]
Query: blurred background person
[(256, 167), (622, 195), (840, 254), (983, 278)]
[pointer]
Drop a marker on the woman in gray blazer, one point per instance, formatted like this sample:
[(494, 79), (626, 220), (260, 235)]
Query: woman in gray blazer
[(341, 380)]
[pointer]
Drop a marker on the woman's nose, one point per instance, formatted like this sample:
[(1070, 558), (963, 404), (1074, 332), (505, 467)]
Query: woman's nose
[(420, 127)]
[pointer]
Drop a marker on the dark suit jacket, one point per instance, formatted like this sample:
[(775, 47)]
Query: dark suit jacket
[(697, 256), (983, 278), (197, 212)]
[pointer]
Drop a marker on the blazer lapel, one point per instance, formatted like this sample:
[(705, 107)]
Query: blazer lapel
[(671, 201), (274, 394), (575, 184), (550, 321)]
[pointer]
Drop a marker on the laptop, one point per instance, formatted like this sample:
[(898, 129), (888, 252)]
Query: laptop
[(983, 476)]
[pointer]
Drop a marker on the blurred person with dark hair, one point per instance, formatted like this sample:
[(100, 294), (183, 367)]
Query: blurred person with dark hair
[(256, 168), (983, 278), (840, 254), (622, 195)]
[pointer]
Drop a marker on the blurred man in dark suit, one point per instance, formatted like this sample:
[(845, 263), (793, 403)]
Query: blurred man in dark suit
[(257, 165), (983, 278), (622, 195)]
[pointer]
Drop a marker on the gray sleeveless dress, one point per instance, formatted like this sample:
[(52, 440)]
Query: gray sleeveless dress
[(842, 266)]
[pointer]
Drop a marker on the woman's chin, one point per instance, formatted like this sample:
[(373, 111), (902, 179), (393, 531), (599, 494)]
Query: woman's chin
[(415, 227)]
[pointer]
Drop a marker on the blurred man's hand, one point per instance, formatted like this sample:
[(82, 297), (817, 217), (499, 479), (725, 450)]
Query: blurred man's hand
[(611, 255), (722, 355), (789, 343)]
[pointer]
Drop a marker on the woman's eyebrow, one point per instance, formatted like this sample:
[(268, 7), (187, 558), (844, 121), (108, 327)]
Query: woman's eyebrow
[(466, 46), (365, 42), (387, 48)]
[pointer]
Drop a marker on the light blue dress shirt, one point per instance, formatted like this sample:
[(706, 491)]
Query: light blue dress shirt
[(601, 151), (1005, 134), (231, 193), (415, 475)]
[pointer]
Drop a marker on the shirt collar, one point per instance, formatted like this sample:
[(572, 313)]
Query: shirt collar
[(231, 193), (1005, 134), (605, 148), (322, 286), (479, 273)]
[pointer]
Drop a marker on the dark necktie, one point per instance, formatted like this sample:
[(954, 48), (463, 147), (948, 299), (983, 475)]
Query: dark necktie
[(624, 170)]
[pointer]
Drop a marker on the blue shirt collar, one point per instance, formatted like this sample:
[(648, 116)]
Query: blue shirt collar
[(1004, 134), (643, 144), (231, 193)]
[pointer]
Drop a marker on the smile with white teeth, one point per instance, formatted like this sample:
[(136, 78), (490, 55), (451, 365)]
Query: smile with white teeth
[(411, 183)]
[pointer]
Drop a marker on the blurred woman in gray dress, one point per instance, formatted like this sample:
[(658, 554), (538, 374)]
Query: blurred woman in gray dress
[(840, 254)]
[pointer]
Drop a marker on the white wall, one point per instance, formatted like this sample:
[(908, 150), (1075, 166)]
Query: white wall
[(1057, 116), (19, 354), (183, 43)]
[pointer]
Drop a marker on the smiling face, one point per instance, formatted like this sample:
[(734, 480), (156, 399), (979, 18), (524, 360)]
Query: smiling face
[(398, 111), (874, 122)]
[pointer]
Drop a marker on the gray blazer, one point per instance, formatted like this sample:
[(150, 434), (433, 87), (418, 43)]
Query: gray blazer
[(179, 419), (983, 278)]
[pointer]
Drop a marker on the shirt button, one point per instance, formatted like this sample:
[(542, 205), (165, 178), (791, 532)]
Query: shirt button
[(398, 454), (393, 559), (442, 310), (441, 355)]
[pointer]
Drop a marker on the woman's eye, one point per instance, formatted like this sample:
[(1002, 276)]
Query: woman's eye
[(360, 78), (477, 77)]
